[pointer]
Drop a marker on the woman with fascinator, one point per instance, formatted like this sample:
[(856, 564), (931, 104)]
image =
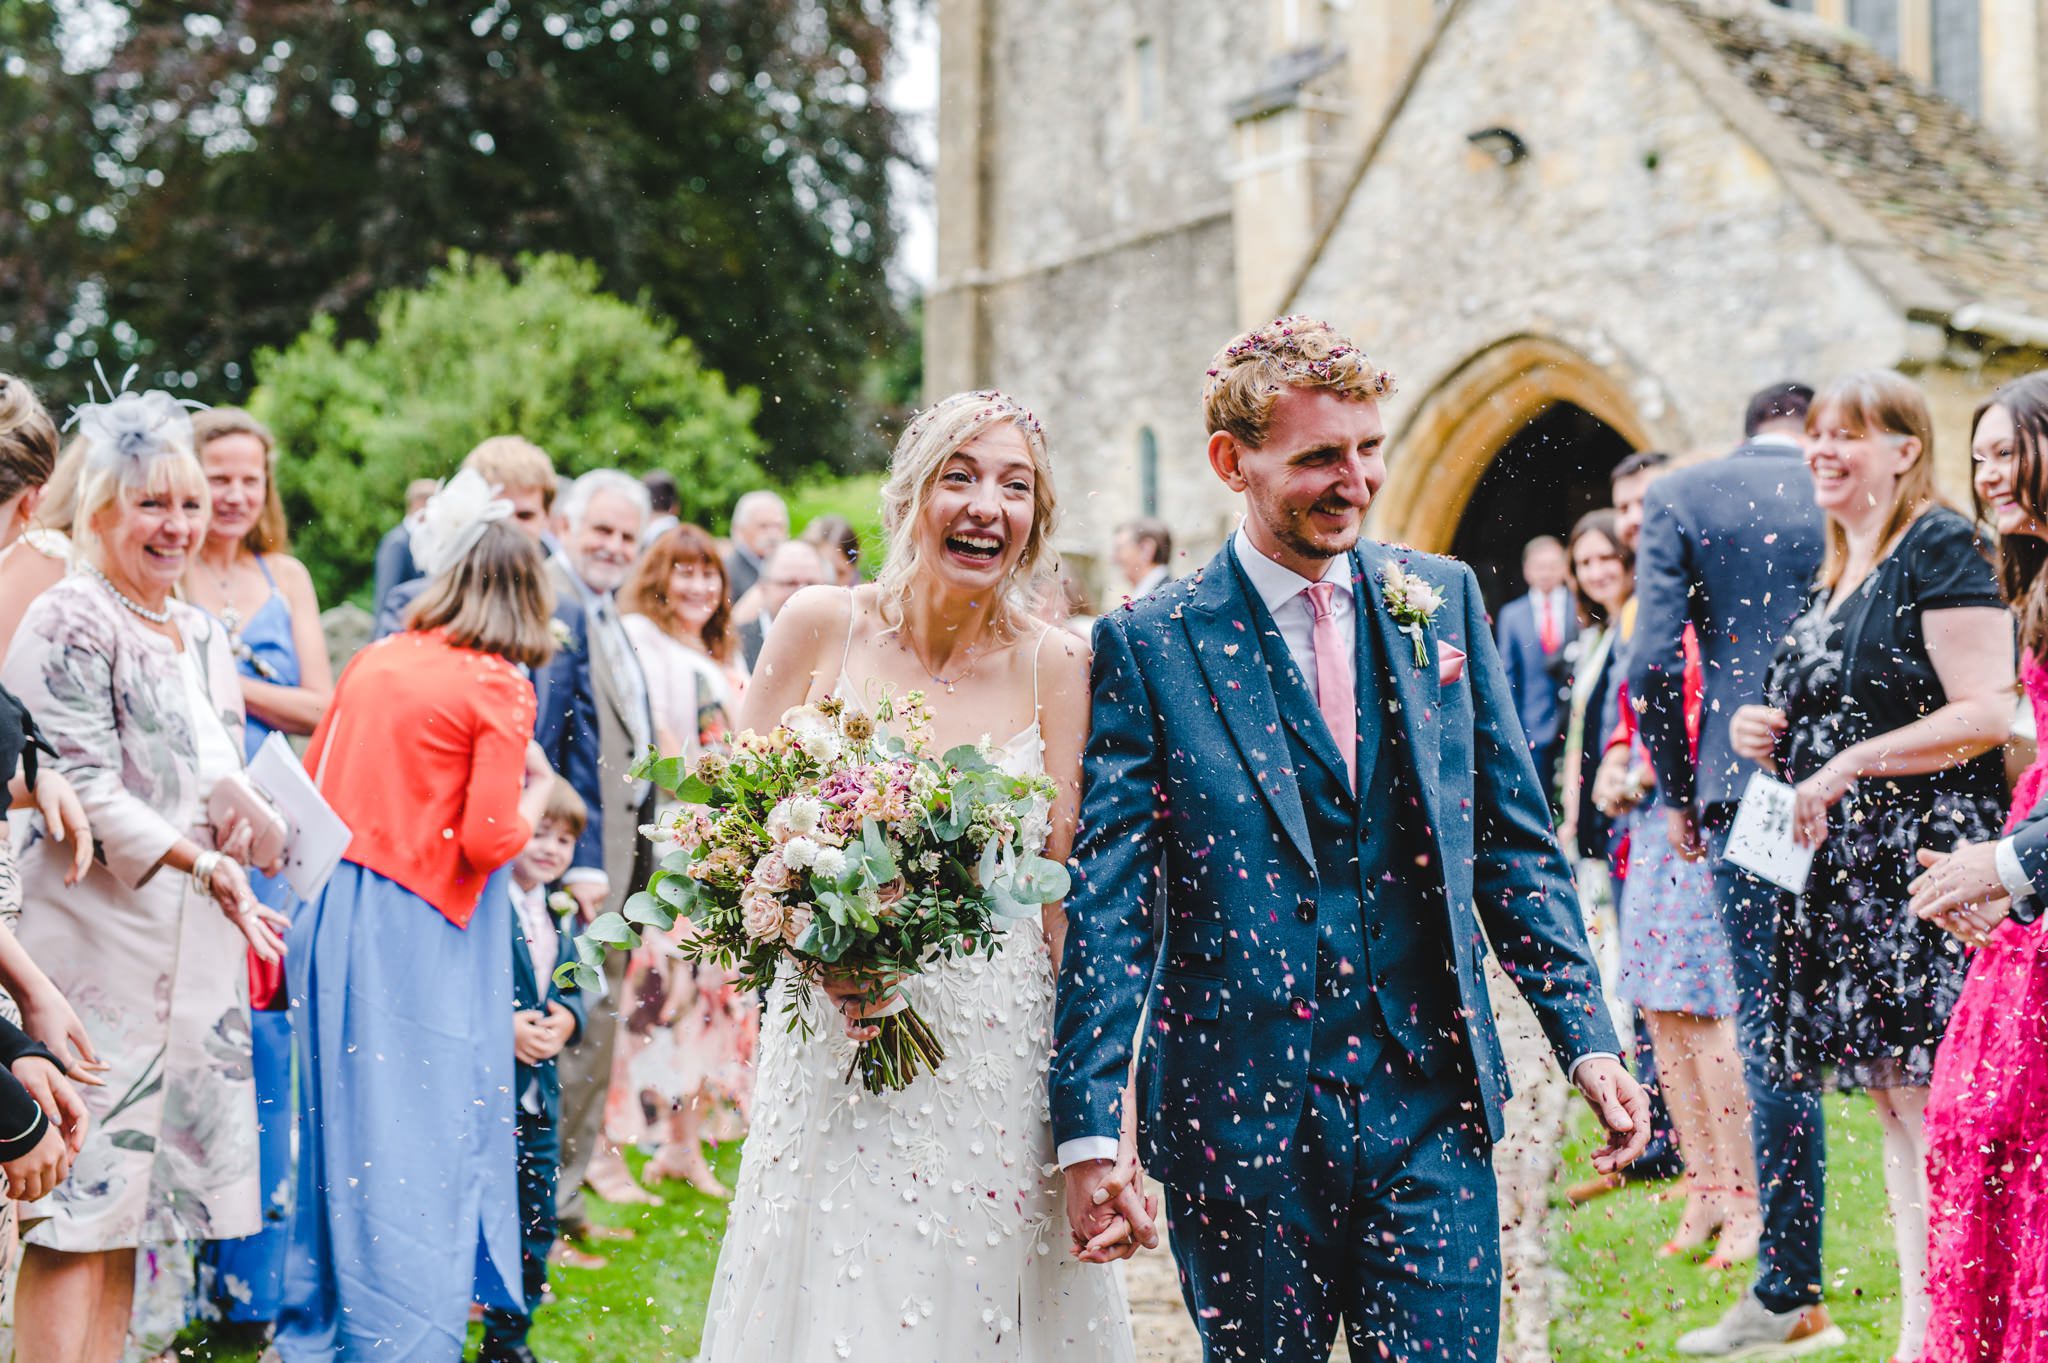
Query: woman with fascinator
[(136, 693), (400, 972), (922, 1223)]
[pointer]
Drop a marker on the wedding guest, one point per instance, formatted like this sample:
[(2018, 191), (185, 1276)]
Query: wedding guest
[(1729, 547), (137, 693), (523, 476), (37, 551), (401, 970), (1142, 550), (43, 1121), (760, 522), (1603, 575), (1888, 698), (691, 1044), (245, 577), (1676, 973), (594, 724), (1533, 632), (662, 501), (394, 552), (792, 567), (1628, 485), (838, 547), (547, 1017), (1987, 1140)]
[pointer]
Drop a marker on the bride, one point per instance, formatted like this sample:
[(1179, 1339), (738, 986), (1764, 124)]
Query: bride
[(928, 1225)]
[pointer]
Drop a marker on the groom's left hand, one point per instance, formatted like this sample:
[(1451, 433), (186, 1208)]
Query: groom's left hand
[(1108, 1210), (1622, 1107)]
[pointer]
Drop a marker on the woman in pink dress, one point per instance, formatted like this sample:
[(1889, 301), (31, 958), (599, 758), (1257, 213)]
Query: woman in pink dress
[(1987, 1113)]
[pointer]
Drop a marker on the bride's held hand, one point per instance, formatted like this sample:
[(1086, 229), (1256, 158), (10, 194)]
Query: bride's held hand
[(861, 1000)]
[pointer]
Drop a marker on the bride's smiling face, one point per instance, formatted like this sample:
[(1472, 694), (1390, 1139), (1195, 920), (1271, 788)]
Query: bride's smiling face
[(977, 514)]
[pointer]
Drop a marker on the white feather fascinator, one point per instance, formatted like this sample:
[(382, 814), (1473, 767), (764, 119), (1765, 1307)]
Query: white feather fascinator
[(130, 430), (454, 520)]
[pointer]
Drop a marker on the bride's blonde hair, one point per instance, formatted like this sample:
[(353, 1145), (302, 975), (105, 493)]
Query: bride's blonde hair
[(936, 435)]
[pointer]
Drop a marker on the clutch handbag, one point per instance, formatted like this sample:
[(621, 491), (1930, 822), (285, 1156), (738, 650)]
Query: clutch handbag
[(236, 794)]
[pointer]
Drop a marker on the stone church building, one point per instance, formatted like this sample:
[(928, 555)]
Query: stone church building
[(1570, 227)]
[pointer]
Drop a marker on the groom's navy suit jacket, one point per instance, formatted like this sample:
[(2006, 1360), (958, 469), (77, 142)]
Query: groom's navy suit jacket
[(1194, 802)]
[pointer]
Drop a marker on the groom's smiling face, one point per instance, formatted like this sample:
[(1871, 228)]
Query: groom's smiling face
[(1306, 489)]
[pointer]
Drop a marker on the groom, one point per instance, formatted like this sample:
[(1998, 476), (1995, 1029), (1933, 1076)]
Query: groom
[(1306, 756)]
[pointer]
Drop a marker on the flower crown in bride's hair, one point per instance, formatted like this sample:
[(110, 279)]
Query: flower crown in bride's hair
[(131, 430), (454, 521)]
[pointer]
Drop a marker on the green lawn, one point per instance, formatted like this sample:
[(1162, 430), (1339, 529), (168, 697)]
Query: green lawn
[(646, 1305), (1620, 1301)]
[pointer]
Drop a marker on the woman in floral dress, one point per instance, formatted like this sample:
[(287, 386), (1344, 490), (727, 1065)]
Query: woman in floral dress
[(690, 1041), (137, 694)]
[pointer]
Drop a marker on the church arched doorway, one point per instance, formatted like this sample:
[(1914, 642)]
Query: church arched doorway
[(1550, 473), (1515, 443)]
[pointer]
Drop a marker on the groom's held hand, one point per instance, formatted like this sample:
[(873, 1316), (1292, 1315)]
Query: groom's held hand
[(1100, 1194), (1622, 1107)]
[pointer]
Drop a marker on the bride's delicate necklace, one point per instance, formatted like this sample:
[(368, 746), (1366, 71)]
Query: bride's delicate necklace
[(950, 683), (162, 617)]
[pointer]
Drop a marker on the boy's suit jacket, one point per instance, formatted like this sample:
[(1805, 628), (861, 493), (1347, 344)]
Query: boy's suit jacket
[(530, 993)]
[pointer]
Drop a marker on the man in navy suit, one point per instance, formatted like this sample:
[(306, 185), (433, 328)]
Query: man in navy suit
[(1534, 632), (593, 723), (1305, 757), (1731, 548)]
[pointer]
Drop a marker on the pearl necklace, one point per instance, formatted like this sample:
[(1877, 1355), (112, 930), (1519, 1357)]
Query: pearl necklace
[(162, 617)]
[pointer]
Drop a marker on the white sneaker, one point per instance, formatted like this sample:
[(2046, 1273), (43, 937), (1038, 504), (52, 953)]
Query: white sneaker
[(1752, 1330)]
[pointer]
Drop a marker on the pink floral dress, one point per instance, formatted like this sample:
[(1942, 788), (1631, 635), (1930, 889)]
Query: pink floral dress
[(1987, 1135)]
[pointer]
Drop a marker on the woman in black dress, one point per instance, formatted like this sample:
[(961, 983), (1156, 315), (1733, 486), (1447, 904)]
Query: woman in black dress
[(1890, 697)]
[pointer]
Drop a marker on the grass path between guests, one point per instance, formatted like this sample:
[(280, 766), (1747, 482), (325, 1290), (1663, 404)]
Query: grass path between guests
[(646, 1305), (1616, 1300)]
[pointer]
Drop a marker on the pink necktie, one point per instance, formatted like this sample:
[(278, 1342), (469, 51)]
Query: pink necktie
[(1336, 689)]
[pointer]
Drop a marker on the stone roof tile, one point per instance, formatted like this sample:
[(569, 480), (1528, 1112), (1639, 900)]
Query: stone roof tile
[(1951, 193)]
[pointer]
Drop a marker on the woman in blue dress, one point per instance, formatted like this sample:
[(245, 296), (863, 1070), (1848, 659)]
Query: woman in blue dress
[(401, 969), (245, 577)]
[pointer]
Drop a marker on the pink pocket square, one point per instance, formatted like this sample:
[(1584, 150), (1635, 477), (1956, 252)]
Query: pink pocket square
[(1450, 664)]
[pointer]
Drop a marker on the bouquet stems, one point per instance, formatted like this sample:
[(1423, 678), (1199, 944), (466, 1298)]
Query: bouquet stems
[(906, 1048)]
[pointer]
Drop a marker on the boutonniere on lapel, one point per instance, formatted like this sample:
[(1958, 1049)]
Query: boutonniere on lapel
[(559, 631), (1413, 603)]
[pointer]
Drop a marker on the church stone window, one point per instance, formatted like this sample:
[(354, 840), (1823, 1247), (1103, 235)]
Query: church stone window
[(1145, 77), (1877, 20), (1148, 472), (1958, 71)]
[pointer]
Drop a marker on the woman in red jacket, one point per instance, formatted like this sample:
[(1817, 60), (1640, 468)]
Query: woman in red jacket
[(400, 972)]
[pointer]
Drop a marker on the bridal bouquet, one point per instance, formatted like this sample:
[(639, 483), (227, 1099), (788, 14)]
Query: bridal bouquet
[(851, 851)]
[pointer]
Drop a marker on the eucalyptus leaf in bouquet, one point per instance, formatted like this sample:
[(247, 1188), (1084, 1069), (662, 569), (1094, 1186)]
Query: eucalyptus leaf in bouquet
[(836, 846)]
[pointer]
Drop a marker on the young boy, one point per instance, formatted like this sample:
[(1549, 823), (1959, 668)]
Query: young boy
[(547, 1019)]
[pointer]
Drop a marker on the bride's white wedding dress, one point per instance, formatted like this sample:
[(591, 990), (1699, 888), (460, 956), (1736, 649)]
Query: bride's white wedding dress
[(921, 1226)]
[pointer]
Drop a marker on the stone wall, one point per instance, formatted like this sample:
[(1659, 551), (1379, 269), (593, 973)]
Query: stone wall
[(1641, 231), (1646, 233)]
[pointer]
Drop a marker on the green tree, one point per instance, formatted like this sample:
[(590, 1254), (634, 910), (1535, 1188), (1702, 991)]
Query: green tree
[(592, 379), (212, 175)]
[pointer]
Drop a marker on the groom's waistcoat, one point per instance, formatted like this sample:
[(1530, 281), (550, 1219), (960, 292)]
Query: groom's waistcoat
[(1382, 966)]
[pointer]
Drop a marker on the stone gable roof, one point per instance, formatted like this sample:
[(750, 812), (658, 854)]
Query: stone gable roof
[(1971, 213)]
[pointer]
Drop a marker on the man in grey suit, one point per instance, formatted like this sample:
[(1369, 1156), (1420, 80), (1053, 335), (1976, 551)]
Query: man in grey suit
[(1730, 548), (593, 723)]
